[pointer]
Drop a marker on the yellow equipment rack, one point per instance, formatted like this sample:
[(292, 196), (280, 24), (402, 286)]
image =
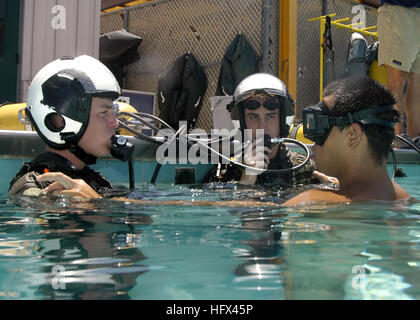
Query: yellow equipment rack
[(339, 24)]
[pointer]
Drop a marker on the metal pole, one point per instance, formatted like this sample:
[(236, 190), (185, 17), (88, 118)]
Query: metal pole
[(321, 58), (266, 35), (126, 15), (324, 7), (321, 55)]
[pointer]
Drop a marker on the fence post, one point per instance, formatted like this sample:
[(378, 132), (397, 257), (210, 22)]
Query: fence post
[(324, 9), (266, 35), (126, 15)]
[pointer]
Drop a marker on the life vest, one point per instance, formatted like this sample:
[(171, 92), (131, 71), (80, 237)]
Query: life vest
[(118, 49), (181, 89), (52, 162), (239, 61)]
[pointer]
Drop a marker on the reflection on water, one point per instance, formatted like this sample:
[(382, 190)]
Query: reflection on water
[(78, 253), (104, 249)]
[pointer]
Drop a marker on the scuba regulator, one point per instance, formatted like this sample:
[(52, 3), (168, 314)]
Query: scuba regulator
[(121, 149)]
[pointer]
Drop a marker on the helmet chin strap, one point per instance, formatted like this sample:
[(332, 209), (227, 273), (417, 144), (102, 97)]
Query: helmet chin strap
[(121, 149), (71, 140), (82, 155)]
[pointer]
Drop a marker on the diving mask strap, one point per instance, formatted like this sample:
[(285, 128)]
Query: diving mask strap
[(366, 116)]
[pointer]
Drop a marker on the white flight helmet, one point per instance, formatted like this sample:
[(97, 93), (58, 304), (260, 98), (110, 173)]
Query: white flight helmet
[(66, 87), (260, 83)]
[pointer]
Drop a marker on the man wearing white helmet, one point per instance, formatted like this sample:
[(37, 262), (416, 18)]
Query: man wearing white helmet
[(70, 105), (261, 101)]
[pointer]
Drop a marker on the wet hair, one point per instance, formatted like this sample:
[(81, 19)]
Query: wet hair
[(359, 93)]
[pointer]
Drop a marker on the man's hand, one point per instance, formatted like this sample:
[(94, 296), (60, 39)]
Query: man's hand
[(253, 160), (324, 178), (64, 185)]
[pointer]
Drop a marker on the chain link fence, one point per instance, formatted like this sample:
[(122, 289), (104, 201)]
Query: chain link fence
[(308, 69), (205, 28)]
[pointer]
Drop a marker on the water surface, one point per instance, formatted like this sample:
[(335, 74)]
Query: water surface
[(105, 249)]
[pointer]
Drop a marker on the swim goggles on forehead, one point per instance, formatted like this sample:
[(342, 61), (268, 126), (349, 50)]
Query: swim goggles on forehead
[(251, 104), (318, 120)]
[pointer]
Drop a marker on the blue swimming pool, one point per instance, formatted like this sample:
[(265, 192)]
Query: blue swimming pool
[(109, 250)]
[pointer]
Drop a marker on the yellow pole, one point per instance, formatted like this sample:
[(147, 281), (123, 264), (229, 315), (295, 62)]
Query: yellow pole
[(323, 20), (283, 41), (293, 48), (288, 45), (352, 28), (338, 25)]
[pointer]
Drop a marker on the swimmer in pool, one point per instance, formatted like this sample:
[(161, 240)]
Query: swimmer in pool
[(353, 130), (70, 105), (261, 102)]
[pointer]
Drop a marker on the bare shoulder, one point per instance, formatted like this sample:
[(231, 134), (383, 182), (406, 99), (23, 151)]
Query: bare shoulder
[(400, 192), (316, 195)]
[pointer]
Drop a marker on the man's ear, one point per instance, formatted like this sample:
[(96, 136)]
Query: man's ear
[(354, 135)]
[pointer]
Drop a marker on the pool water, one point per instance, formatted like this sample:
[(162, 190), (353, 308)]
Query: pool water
[(113, 250)]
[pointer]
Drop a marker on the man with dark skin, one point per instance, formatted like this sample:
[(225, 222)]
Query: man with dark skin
[(355, 151)]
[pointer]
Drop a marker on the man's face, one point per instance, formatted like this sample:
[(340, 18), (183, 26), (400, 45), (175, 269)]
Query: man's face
[(102, 125), (262, 118)]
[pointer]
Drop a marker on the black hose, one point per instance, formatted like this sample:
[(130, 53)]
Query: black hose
[(155, 173), (308, 154), (170, 141), (131, 172), (394, 162), (138, 116)]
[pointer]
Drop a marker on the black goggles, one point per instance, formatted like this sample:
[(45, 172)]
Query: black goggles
[(270, 104), (318, 120)]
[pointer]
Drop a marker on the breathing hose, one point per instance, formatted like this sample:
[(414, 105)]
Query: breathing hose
[(178, 134)]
